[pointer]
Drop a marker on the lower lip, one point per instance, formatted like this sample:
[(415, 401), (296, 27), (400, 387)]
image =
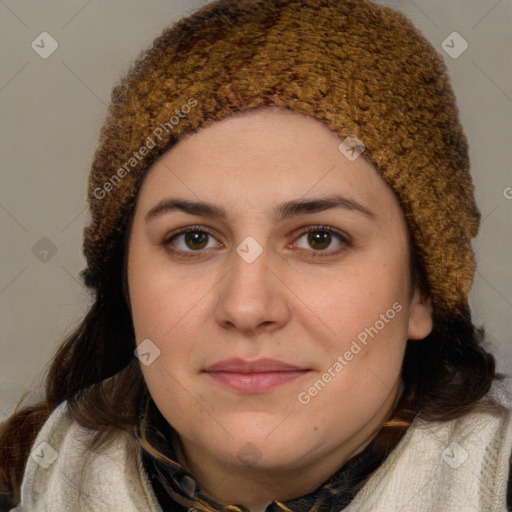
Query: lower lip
[(255, 382)]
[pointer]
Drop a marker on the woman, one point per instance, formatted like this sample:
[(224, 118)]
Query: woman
[(281, 223)]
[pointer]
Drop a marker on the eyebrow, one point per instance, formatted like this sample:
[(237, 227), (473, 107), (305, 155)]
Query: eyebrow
[(283, 211)]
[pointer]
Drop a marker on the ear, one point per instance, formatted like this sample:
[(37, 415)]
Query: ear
[(420, 316)]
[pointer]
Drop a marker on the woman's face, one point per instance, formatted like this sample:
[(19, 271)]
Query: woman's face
[(266, 279)]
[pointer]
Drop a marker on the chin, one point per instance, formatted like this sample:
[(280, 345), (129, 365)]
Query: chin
[(269, 450)]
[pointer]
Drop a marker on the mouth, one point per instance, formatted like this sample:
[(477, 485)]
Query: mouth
[(254, 376)]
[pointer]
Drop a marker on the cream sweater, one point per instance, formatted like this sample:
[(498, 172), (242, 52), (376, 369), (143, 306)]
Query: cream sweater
[(456, 466)]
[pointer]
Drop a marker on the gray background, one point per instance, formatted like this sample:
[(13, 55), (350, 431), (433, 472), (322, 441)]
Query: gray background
[(51, 111)]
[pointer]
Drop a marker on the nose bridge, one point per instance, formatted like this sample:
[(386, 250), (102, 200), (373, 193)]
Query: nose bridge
[(250, 294), (250, 272)]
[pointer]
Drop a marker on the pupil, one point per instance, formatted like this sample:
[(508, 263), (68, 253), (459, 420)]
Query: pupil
[(194, 238), (318, 236)]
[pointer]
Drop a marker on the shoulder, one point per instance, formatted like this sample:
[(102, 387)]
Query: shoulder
[(504, 393), (460, 464), (509, 486), (64, 474), (44, 453), (501, 390)]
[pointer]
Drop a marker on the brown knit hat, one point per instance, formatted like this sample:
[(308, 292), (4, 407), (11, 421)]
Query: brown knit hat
[(362, 69)]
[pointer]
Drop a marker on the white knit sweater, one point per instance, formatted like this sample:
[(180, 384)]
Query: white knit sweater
[(456, 466)]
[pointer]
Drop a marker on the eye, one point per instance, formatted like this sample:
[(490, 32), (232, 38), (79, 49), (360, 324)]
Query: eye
[(195, 238), (321, 237)]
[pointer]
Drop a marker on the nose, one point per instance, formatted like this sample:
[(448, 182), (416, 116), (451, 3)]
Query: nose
[(253, 298)]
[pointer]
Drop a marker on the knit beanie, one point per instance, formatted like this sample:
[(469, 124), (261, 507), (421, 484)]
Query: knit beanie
[(362, 69)]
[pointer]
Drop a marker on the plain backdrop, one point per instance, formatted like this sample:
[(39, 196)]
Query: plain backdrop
[(51, 111)]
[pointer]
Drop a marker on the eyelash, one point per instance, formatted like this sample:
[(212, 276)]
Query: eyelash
[(345, 240)]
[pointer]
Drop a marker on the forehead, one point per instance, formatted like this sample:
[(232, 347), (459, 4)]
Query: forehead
[(262, 158)]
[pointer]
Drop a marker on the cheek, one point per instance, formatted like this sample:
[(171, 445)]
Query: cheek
[(363, 364), (157, 315), (366, 310), (161, 296), (162, 311), (351, 301)]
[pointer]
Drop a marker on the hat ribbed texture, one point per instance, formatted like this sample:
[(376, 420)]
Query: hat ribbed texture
[(361, 68)]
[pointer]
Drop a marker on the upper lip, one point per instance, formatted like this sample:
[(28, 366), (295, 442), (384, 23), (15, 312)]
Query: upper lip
[(238, 365)]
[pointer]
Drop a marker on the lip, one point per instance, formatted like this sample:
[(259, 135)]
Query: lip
[(253, 376), (238, 365)]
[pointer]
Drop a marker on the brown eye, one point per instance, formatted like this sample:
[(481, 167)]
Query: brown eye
[(195, 239), (321, 237), (188, 240)]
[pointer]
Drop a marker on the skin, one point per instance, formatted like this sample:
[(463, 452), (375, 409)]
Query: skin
[(284, 305)]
